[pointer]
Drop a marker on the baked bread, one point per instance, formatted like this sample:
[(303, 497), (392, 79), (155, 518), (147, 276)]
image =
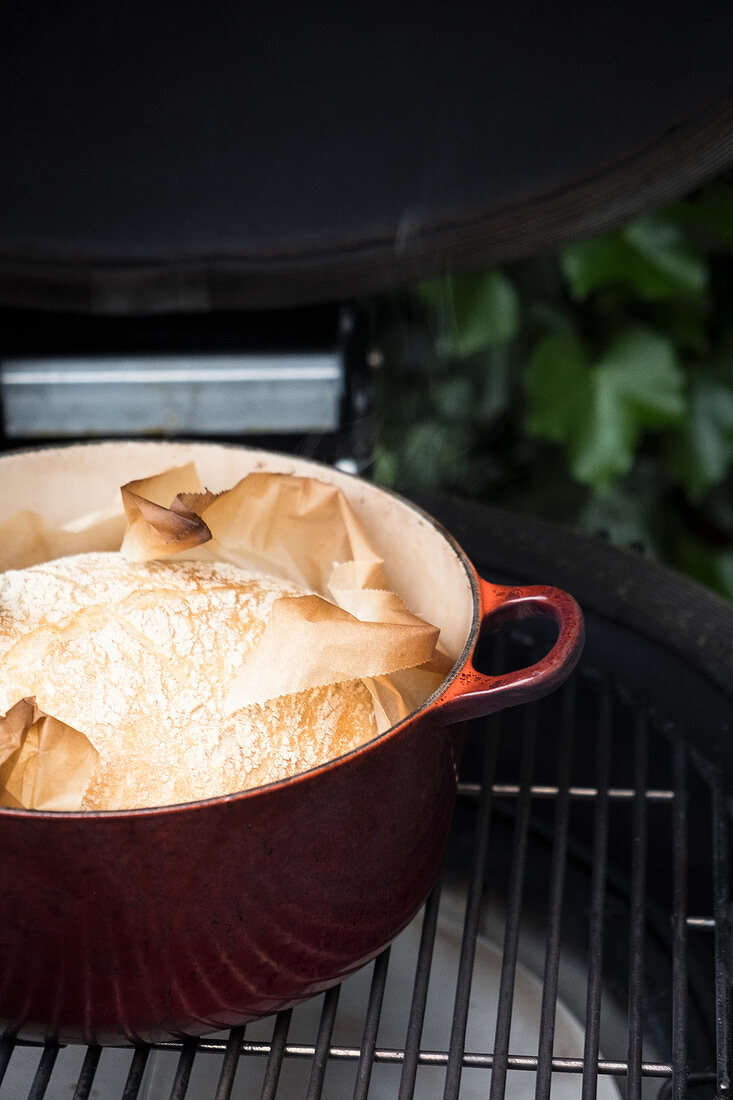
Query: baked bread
[(140, 658)]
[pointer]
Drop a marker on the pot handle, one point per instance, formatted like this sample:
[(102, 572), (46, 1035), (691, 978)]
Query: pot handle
[(474, 695)]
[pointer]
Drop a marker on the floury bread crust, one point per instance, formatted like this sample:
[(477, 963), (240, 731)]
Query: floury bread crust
[(140, 658)]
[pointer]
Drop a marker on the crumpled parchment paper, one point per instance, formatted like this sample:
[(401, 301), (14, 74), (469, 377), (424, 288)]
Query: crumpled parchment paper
[(347, 626)]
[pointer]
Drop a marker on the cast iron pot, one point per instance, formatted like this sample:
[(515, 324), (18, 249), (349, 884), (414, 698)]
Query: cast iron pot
[(148, 924)]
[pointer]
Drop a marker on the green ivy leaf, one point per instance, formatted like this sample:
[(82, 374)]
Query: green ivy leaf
[(386, 465), (705, 451), (600, 411), (475, 311), (645, 370), (556, 385), (664, 245), (652, 258), (623, 511), (435, 454), (454, 397), (636, 385)]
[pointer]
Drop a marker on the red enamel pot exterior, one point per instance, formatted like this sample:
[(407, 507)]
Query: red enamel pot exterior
[(149, 924)]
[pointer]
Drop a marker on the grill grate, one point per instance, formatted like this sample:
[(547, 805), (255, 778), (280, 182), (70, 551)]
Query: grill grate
[(580, 807)]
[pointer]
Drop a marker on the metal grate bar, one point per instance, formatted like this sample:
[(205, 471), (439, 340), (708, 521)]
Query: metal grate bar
[(598, 899), (392, 1055), (44, 1071), (638, 891), (514, 905), (7, 1046), (582, 794), (276, 1054), (136, 1073), (323, 1043), (229, 1066), (88, 1070), (371, 1026), (721, 908), (679, 924), (183, 1069), (419, 994), (557, 884), (471, 1059), (473, 912)]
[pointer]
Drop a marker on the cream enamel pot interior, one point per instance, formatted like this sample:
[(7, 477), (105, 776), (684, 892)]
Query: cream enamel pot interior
[(145, 924)]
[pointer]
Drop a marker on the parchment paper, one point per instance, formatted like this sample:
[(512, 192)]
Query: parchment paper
[(347, 626), (44, 764)]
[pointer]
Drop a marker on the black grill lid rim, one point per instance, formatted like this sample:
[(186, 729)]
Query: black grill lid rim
[(304, 156), (685, 158)]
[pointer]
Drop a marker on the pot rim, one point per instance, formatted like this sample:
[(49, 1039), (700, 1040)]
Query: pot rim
[(300, 777)]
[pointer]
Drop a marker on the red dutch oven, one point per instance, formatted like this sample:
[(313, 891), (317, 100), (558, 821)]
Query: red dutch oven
[(147, 924)]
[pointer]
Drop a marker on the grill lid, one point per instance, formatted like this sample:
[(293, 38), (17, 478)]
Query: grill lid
[(167, 157)]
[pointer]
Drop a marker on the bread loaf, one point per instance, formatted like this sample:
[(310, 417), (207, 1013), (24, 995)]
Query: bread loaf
[(140, 658)]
